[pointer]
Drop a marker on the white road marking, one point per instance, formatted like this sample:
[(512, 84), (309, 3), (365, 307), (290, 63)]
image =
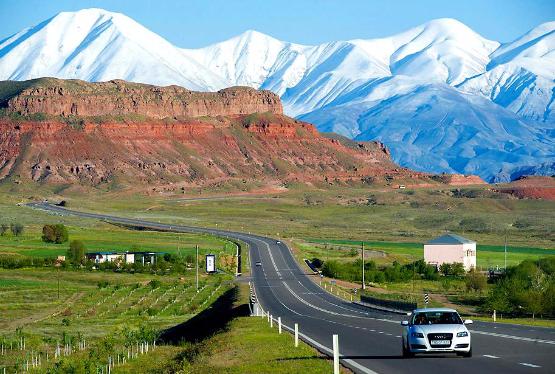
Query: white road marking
[(398, 336), (529, 365), (330, 352), (490, 356), (513, 337)]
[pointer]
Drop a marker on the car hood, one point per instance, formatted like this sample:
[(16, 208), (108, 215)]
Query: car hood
[(429, 329)]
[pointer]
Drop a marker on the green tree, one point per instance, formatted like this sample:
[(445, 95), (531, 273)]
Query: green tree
[(16, 228), (48, 234), (76, 252), (55, 234)]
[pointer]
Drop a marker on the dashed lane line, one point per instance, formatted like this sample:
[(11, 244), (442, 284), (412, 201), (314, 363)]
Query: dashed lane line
[(490, 356), (513, 337), (529, 365)]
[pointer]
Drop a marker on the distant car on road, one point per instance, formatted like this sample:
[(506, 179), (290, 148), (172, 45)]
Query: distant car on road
[(278, 242), (258, 263), (434, 331)]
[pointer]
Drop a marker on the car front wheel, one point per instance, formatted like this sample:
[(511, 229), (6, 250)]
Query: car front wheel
[(406, 352), (466, 354)]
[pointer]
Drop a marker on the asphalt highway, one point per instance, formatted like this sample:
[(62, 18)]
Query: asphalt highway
[(369, 340)]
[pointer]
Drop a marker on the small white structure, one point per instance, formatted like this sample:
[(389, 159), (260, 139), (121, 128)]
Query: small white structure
[(451, 248)]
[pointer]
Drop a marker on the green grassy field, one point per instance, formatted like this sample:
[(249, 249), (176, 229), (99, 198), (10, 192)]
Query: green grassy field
[(342, 213), (105, 237)]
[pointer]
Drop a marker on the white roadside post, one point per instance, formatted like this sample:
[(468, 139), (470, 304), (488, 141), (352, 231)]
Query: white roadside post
[(296, 334), (271, 321), (335, 354), (268, 316), (279, 325), (494, 315)]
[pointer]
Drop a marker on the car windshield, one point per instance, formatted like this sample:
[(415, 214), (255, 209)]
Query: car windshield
[(436, 318)]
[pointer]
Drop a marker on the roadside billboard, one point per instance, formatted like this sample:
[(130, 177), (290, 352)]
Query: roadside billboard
[(210, 263)]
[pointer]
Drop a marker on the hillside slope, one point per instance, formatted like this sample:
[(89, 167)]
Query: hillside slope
[(41, 141)]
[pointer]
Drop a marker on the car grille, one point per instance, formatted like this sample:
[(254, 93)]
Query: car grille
[(440, 336)]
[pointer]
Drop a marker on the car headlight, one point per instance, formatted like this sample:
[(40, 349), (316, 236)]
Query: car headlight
[(462, 334), (417, 335)]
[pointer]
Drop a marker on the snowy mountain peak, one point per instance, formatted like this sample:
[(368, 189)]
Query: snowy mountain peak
[(443, 97), (97, 45)]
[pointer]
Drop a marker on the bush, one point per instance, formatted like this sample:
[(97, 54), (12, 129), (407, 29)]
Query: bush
[(154, 283), (4, 229), (475, 281), (445, 269), (331, 269), (474, 225), (317, 263), (455, 270), (54, 234), (102, 284), (16, 228)]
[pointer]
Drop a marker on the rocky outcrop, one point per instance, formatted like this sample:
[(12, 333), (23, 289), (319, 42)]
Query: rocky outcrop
[(78, 98), (242, 150), (530, 187)]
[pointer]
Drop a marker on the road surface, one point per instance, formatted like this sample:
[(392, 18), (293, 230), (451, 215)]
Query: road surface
[(369, 340)]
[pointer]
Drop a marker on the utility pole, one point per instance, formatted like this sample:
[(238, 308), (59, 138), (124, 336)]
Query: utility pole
[(363, 282), (197, 265), (505, 250)]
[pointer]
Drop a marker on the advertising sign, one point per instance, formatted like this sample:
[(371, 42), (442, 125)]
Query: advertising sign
[(210, 263)]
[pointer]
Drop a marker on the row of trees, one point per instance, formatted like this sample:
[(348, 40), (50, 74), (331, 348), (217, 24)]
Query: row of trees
[(352, 271), (15, 228), (525, 289)]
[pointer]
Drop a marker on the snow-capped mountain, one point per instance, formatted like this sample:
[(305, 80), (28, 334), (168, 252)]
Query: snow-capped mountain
[(97, 45), (442, 97)]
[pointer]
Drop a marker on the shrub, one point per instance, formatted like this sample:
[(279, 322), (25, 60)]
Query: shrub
[(331, 269), (16, 228), (4, 229), (475, 281), (474, 225), (102, 284), (317, 263), (445, 269), (154, 283)]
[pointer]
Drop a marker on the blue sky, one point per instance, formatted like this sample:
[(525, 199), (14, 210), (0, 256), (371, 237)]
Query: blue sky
[(196, 23)]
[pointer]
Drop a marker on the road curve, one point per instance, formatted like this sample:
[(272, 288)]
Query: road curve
[(369, 340)]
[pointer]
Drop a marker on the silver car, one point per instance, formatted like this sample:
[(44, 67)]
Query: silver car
[(436, 330)]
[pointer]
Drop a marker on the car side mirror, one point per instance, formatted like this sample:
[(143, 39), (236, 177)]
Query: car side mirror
[(404, 323), (468, 322)]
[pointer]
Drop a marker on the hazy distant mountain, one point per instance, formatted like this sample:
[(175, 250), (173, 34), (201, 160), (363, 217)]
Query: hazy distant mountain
[(442, 97)]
